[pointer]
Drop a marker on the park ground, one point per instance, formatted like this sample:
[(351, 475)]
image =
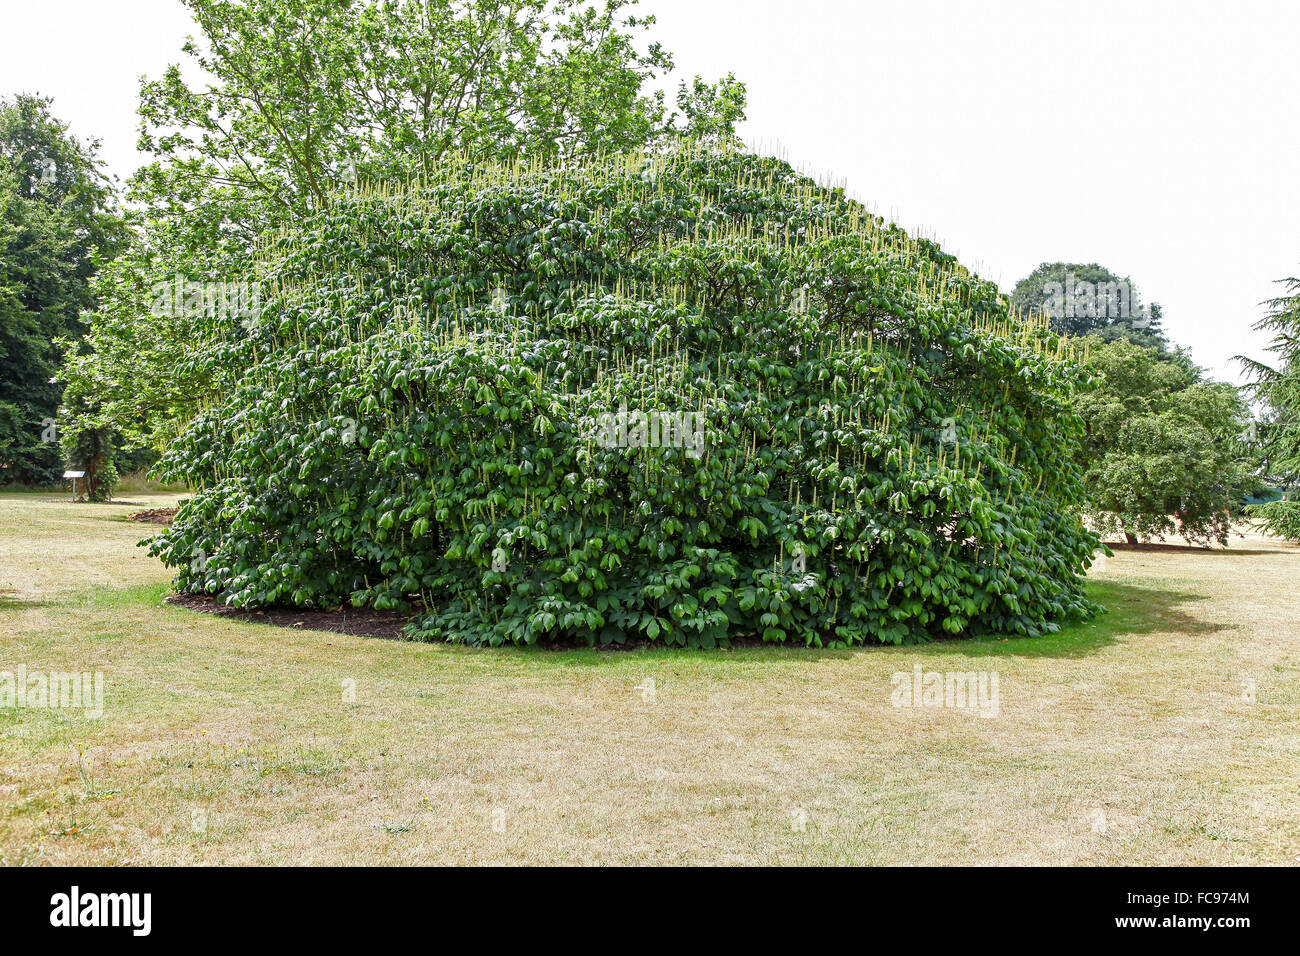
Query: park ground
[(1165, 732)]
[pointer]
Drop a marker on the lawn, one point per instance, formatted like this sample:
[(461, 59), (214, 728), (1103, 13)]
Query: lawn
[(1166, 732)]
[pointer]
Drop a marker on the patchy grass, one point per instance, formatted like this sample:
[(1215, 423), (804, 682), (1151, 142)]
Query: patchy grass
[(1166, 732)]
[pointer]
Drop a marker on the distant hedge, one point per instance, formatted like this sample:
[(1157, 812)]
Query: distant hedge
[(690, 398)]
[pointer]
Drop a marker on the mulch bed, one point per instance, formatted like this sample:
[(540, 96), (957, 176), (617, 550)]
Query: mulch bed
[(358, 622), (364, 622), (154, 515)]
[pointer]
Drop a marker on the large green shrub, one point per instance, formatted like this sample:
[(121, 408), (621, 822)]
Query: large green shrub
[(423, 418)]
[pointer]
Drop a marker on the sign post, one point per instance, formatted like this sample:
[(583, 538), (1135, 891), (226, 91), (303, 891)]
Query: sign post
[(74, 475)]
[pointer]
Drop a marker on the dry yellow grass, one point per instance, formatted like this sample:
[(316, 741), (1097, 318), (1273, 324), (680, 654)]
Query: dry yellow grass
[(1133, 739)]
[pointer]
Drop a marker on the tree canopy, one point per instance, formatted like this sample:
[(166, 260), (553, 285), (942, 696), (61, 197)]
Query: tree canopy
[(1277, 385), (298, 99), (1089, 299), (1165, 451)]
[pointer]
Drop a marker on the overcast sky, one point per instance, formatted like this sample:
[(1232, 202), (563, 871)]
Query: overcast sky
[(1160, 139)]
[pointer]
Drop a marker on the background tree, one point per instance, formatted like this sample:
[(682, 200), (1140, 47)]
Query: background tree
[(1278, 387), (1163, 447), (710, 111), (303, 98), (57, 224), (1089, 299), (90, 450)]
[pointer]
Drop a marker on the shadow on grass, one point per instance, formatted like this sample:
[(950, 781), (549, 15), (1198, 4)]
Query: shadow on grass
[(1130, 609), (10, 601), (1160, 547)]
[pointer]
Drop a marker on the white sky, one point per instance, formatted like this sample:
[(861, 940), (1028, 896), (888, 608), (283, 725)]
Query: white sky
[(1160, 139)]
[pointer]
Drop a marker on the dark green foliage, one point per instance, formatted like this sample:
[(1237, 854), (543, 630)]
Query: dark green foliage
[(1087, 299), (91, 450), (1278, 385), (55, 226), (136, 461), (1281, 518), (886, 455)]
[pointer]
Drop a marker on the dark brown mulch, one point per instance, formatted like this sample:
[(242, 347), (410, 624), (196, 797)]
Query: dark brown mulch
[(363, 622), (358, 622), (154, 515)]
